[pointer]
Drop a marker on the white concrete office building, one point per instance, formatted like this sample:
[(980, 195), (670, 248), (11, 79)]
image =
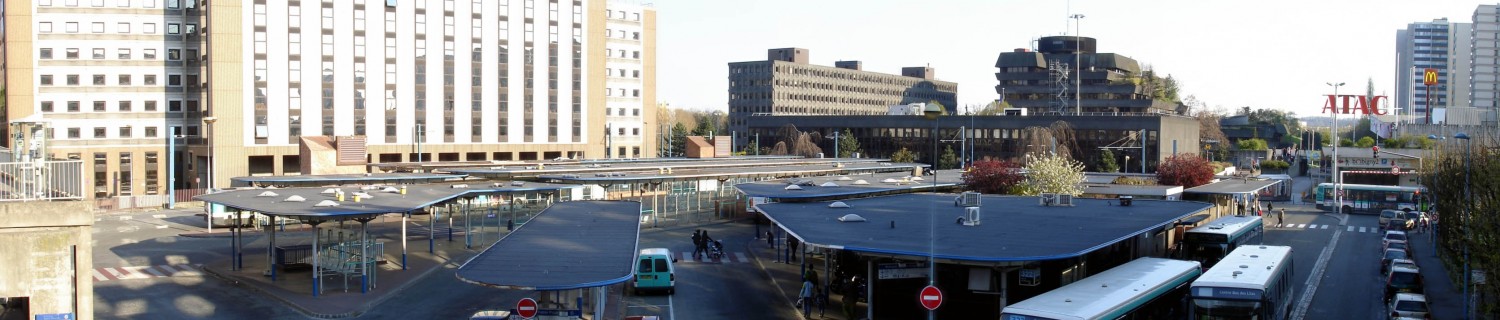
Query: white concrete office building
[(630, 79)]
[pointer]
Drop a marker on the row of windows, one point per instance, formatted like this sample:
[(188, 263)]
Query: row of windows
[(171, 4), (173, 80), (120, 27), (611, 53), (610, 72), (621, 111), (620, 92), (622, 15), (125, 132), (173, 54), (120, 106), (621, 34)]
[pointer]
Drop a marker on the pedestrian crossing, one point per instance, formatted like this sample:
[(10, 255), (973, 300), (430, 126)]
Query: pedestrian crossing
[(161, 271), (729, 257), (1304, 226)]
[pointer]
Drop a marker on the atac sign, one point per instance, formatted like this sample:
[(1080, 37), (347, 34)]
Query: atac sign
[(1362, 104)]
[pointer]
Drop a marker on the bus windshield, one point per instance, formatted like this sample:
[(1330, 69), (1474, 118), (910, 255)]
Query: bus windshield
[(1207, 253), (1211, 309)]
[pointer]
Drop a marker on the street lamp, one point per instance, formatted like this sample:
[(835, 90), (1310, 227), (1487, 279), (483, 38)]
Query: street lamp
[(932, 112), (1467, 156), (1078, 64), (209, 124), (1338, 182)]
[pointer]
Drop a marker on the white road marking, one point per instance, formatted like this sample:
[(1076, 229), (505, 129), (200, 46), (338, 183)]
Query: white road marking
[(128, 241), (1351, 228), (153, 271), (123, 218), (741, 257), (671, 310), (113, 272), (158, 216), (99, 276), (1324, 227), (1362, 229), (1316, 277), (1299, 226), (162, 226)]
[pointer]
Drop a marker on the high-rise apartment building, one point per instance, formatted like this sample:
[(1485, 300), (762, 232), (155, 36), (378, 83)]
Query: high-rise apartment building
[(244, 80), (1440, 45), (786, 84), (1048, 80), (630, 80), (1484, 62)]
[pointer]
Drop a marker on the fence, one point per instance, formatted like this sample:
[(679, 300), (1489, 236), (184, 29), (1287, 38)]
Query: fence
[(41, 180), (146, 201)]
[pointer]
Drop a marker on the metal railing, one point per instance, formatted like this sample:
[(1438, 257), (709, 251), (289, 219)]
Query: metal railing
[(41, 180)]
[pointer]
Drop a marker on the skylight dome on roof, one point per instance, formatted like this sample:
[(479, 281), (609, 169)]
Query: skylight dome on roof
[(793, 187), (327, 203), (838, 204), (267, 194), (295, 198), (861, 182), (829, 184), (330, 191)]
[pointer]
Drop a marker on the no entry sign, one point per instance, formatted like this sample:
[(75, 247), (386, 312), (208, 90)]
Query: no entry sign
[(931, 297), (526, 308)]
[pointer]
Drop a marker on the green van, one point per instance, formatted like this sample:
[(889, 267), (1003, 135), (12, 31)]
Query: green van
[(654, 271)]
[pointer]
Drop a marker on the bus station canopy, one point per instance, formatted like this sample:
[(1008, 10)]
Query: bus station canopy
[(828, 187), (570, 245), (1233, 186), (380, 200), (724, 173), (340, 179), (1012, 229), (592, 168)]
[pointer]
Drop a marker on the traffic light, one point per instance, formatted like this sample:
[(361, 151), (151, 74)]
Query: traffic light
[(1376, 151)]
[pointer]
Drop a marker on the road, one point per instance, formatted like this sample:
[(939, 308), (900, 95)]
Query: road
[(733, 288), (1352, 286)]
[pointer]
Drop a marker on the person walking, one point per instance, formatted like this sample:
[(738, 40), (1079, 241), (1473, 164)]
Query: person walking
[(791, 244), (1281, 216), (851, 297), (805, 298), (697, 243)]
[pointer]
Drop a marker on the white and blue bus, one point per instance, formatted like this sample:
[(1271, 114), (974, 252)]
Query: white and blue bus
[(1253, 282), (1210, 242), (1365, 198), (1147, 288)]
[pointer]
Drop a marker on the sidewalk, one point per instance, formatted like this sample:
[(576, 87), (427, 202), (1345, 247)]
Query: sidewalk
[(786, 277), (1444, 298)]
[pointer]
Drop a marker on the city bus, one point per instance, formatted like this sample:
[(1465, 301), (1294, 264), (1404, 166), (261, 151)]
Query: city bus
[(1212, 241), (1147, 288), (1366, 198), (1252, 282)]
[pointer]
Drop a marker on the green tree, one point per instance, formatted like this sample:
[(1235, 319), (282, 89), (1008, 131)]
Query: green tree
[(1052, 173), (994, 108), (1290, 140), (1325, 137), (949, 159), (904, 156), (1346, 143), (1252, 144), (1107, 161), (1365, 142), (679, 140), (848, 145)]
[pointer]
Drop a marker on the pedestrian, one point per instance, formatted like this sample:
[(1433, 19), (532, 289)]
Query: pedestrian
[(1424, 222), (805, 298), (791, 245), (770, 239), (1268, 207), (1280, 216), (1239, 209), (851, 297), (697, 243)]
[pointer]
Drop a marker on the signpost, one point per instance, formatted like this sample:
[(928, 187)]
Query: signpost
[(526, 308), (931, 298), (1429, 79)]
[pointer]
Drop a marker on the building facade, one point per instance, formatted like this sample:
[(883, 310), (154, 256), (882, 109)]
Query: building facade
[(1484, 59), (239, 81), (1047, 80), (999, 137), (1439, 45), (787, 84), (630, 80)]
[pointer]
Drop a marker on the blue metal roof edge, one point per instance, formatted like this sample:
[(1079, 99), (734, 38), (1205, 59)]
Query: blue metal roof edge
[(356, 178), (635, 255), (847, 193)]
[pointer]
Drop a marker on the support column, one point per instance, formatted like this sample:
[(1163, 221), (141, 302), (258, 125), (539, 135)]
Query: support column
[(404, 215), (271, 249), (317, 282), (468, 226), (869, 288), (432, 216), (364, 256)]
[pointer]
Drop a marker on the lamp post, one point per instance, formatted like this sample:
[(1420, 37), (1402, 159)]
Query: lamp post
[(1077, 64), (1338, 182), (1467, 144), (209, 124), (932, 112)]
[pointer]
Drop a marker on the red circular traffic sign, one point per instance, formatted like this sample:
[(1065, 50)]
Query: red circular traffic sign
[(526, 308), (931, 297)]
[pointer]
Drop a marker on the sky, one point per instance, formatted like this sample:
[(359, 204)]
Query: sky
[(1229, 54)]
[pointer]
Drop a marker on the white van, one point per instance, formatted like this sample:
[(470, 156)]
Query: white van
[(655, 271)]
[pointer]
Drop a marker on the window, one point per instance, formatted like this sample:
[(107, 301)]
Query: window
[(97, 27), (148, 54), (98, 79), (73, 133), (46, 106), (150, 81), (123, 3), (635, 35), (125, 106), (44, 27), (72, 53), (149, 28), (72, 79), (123, 27), (174, 54), (150, 106), (191, 28), (124, 54), (70, 27), (71, 3), (98, 133), (173, 28), (174, 80), (46, 80), (98, 3), (44, 3), (98, 53), (73, 106), (98, 106), (150, 132), (174, 4), (125, 132), (124, 79)]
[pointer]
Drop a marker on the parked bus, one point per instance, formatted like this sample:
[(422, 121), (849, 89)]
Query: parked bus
[(1147, 288), (1365, 198), (1210, 242), (1253, 282)]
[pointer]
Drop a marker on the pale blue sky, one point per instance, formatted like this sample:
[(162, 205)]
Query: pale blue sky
[(1263, 54)]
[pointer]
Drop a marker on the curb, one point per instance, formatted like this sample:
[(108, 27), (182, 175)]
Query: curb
[(360, 310), (774, 283)]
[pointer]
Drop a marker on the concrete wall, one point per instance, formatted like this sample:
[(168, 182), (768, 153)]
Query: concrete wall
[(45, 255)]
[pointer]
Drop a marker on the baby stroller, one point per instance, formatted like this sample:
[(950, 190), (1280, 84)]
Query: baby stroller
[(715, 249)]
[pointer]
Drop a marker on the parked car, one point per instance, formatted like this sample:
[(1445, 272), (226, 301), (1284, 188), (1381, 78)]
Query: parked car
[(1402, 280), (1409, 305), (1398, 263), (1387, 215), (1392, 235), (1397, 244), (1391, 254)]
